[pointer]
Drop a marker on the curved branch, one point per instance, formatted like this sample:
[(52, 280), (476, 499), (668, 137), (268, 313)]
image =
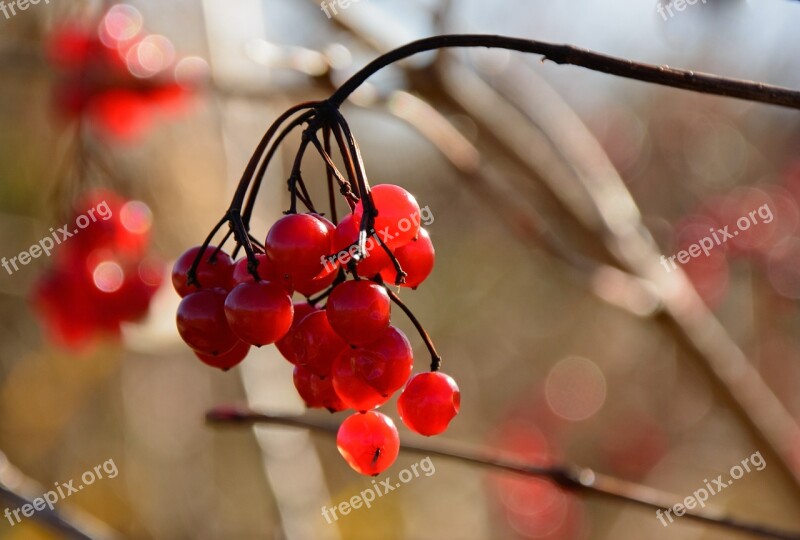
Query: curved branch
[(569, 54)]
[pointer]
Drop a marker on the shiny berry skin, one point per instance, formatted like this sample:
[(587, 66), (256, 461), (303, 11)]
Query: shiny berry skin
[(352, 373), (202, 323), (227, 360), (429, 402), (398, 214), (297, 245), (315, 391), (259, 313), (359, 311), (395, 362), (286, 345), (310, 287), (345, 235), (416, 259), (210, 274), (368, 442), (241, 274), (316, 344)]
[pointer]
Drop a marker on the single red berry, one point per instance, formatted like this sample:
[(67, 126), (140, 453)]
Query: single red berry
[(202, 323), (368, 442), (241, 273), (286, 345), (316, 344), (352, 372), (398, 217), (259, 313), (429, 402), (315, 391), (227, 360), (323, 280), (394, 364), (346, 235), (416, 259), (210, 273), (359, 311), (297, 245)]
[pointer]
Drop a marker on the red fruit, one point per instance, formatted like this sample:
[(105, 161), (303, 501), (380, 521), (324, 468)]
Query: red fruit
[(352, 372), (122, 114), (368, 442), (259, 313), (286, 345), (416, 259), (398, 214), (346, 235), (315, 391), (394, 363), (242, 275), (297, 245), (429, 402), (359, 311), (227, 360), (202, 323), (316, 345), (323, 280), (210, 274)]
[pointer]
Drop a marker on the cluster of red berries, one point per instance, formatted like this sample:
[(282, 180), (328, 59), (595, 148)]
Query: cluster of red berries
[(103, 275), (115, 75), (346, 355)]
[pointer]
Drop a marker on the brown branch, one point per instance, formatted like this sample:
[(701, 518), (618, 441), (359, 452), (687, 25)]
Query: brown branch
[(573, 478)]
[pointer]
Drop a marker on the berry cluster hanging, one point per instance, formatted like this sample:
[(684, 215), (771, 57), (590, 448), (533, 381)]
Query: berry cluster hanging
[(346, 353)]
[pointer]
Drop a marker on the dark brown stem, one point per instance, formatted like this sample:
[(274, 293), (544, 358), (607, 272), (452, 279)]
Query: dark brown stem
[(436, 359), (568, 54), (573, 478)]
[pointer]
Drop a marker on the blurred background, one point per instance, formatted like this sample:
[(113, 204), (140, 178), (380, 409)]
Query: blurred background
[(554, 191)]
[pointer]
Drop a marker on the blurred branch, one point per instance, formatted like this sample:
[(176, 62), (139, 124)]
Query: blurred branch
[(18, 490), (577, 479)]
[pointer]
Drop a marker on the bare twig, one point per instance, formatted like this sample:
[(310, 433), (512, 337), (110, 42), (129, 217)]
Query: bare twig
[(580, 480)]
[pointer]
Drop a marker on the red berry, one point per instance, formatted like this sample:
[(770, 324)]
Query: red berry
[(323, 280), (297, 245), (416, 259), (352, 372), (429, 402), (398, 214), (241, 274), (316, 344), (259, 313), (346, 235), (315, 391), (359, 311), (368, 442), (286, 345), (210, 274), (394, 363), (227, 360), (202, 323)]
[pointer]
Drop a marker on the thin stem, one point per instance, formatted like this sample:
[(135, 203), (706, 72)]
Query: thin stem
[(577, 479), (330, 170), (436, 359), (262, 171), (568, 54), (333, 172)]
